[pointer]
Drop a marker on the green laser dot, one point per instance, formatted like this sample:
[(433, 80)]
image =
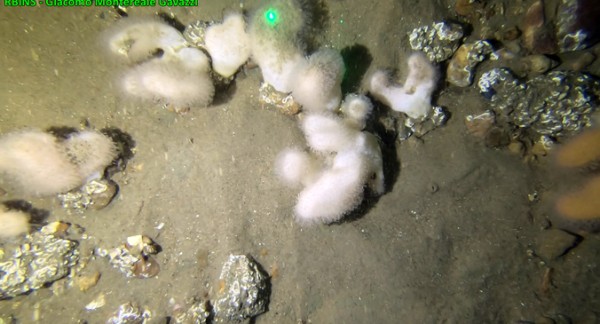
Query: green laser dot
[(271, 16)]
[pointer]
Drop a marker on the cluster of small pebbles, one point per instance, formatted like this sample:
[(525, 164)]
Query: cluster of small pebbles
[(134, 258), (243, 293), (53, 253), (56, 255), (541, 89), (537, 86), (52, 257), (270, 98)]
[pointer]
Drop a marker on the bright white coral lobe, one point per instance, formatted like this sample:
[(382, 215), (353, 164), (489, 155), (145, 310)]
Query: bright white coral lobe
[(228, 44), (414, 97), (35, 163), (165, 69)]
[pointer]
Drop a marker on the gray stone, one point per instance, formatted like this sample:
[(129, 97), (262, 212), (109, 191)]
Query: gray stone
[(38, 261), (244, 290)]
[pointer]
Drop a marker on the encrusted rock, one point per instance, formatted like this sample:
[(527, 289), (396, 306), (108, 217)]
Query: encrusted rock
[(572, 26), (577, 24), (95, 194), (496, 84), (37, 262), (438, 41), (556, 104), (244, 289), (419, 127)]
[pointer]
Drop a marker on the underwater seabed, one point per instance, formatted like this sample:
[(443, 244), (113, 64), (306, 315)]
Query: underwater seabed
[(450, 240)]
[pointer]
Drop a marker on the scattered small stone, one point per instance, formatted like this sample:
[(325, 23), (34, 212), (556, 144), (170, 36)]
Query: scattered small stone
[(480, 125), (133, 258), (542, 146), (578, 61), (554, 243), (508, 34), (497, 137), (538, 36), (516, 147), (461, 67), (433, 187), (533, 197), (198, 313), (419, 127), (533, 65), (85, 282), (141, 244)]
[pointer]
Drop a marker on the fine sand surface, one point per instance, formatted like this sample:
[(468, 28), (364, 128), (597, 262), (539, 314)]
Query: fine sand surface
[(458, 254)]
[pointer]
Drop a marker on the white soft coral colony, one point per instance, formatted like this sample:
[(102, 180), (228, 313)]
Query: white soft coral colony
[(35, 163), (414, 97), (228, 44), (179, 76), (343, 160)]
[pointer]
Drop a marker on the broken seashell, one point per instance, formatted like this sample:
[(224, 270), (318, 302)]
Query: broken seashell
[(58, 229), (146, 267), (141, 245), (98, 302)]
